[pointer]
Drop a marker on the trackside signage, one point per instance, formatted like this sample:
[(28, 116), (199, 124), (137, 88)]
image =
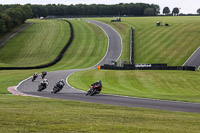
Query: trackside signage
[(142, 65), (147, 67)]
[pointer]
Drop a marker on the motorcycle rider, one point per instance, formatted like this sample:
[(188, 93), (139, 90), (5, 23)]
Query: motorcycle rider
[(44, 73), (35, 75), (97, 86), (60, 83), (44, 82), (58, 87), (43, 85)]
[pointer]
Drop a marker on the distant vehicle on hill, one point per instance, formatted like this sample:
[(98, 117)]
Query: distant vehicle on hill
[(118, 19)]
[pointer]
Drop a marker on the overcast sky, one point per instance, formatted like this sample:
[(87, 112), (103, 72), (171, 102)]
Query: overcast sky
[(187, 6)]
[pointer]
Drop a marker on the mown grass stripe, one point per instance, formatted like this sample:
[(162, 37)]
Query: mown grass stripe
[(157, 41), (156, 54), (168, 85), (31, 51)]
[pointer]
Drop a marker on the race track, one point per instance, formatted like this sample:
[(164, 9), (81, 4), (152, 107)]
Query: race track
[(113, 53), (194, 59)]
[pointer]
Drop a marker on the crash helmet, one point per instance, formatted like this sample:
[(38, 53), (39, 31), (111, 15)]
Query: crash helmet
[(62, 80), (45, 80)]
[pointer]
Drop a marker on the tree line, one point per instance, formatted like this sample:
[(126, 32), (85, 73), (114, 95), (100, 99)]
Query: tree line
[(138, 9), (175, 11), (13, 15), (167, 11)]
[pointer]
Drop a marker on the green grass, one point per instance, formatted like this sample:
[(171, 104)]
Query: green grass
[(42, 42), (26, 114), (8, 33), (170, 85), (87, 49), (12, 78), (90, 43), (38, 44), (173, 44)]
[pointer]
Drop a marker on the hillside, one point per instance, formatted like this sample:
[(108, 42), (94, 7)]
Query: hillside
[(36, 45), (91, 45), (153, 44), (30, 114)]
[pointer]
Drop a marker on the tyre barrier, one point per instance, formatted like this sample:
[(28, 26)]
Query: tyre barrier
[(148, 67), (56, 60), (131, 46)]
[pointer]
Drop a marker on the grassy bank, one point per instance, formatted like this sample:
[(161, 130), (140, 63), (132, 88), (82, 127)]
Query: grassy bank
[(29, 47), (90, 43), (87, 49), (9, 33), (170, 85), (170, 44), (26, 114)]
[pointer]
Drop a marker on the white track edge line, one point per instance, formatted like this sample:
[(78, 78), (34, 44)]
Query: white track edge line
[(70, 85), (117, 33), (142, 98), (107, 47), (25, 93)]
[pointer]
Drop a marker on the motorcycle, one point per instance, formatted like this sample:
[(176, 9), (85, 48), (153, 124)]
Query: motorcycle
[(42, 87), (34, 77), (58, 87), (94, 89), (43, 74)]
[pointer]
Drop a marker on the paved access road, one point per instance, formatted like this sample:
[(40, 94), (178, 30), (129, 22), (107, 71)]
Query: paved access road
[(113, 52), (14, 34)]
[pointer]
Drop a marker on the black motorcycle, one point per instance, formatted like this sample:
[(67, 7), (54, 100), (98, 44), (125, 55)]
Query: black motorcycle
[(58, 87), (42, 87), (44, 73)]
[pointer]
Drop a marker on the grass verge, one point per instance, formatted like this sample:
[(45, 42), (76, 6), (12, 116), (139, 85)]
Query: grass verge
[(170, 85), (26, 114)]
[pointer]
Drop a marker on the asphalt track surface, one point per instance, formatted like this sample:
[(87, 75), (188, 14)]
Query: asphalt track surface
[(69, 93), (194, 59)]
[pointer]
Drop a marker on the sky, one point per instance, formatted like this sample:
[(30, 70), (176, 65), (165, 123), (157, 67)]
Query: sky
[(186, 6)]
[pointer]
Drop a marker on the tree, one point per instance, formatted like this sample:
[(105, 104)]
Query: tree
[(166, 10), (149, 12), (198, 11), (8, 21), (2, 26), (156, 8), (175, 11), (27, 9)]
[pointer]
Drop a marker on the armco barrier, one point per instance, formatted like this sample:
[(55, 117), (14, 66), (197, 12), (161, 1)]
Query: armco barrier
[(152, 67), (57, 59)]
